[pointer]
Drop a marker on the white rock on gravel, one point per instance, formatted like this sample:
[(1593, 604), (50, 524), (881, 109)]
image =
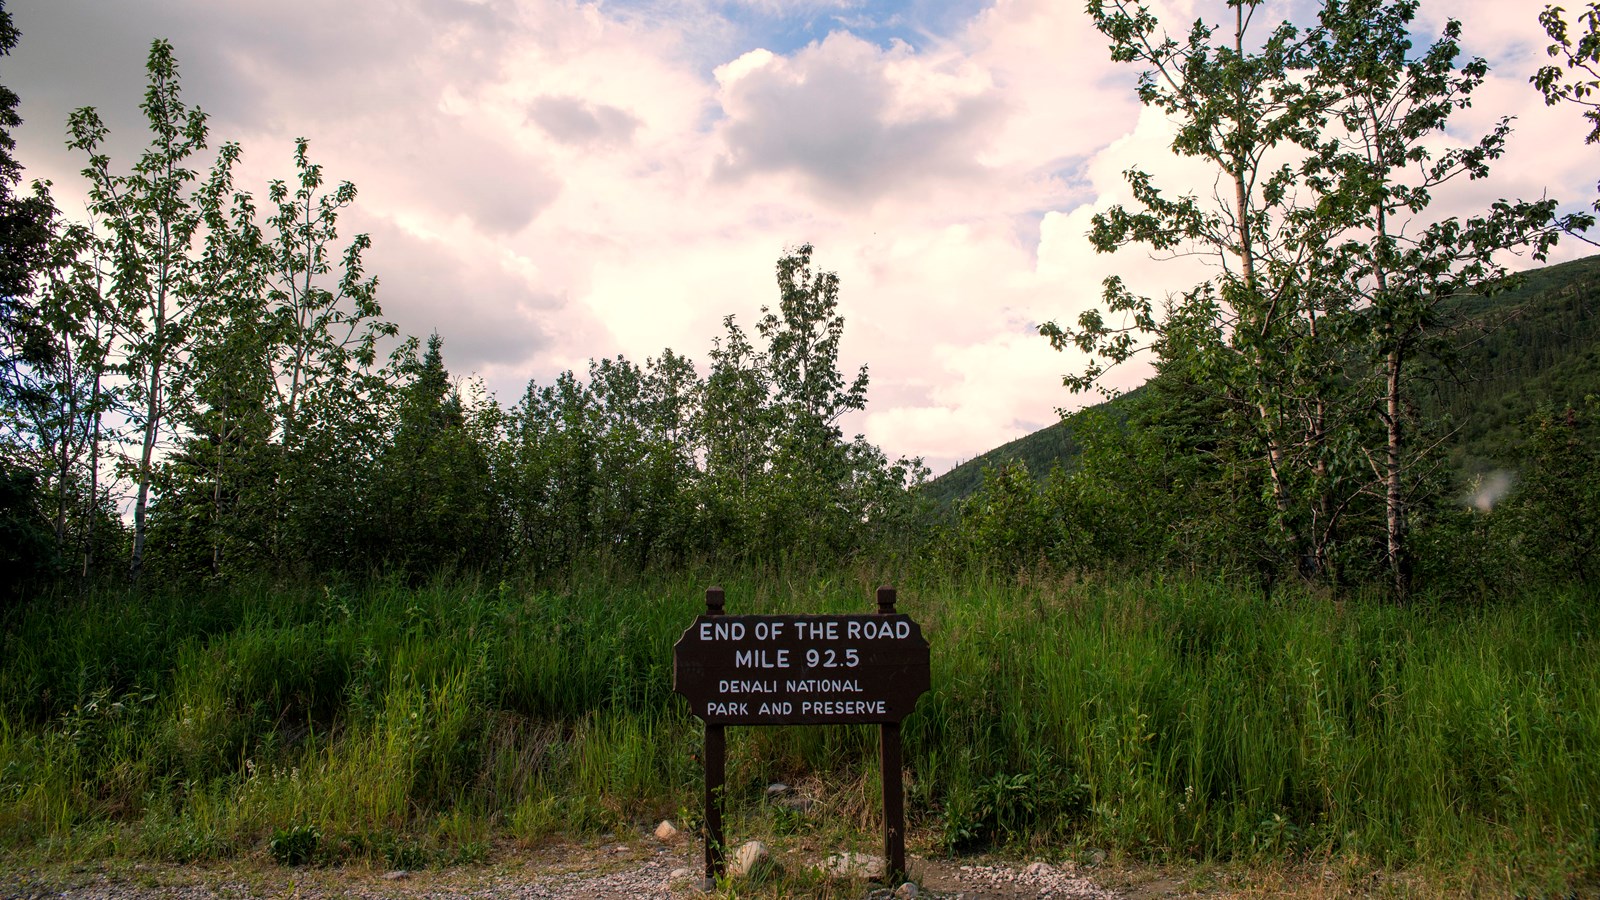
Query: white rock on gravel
[(907, 891), (666, 831), (749, 855)]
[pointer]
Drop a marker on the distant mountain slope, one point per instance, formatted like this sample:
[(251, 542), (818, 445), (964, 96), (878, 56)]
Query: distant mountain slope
[(1537, 344), (1540, 346), (1039, 451)]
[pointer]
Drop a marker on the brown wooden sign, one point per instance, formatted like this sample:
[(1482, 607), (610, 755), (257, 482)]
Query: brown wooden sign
[(801, 670)]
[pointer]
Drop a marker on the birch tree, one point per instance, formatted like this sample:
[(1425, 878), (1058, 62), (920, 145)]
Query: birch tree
[(1335, 275), (150, 223)]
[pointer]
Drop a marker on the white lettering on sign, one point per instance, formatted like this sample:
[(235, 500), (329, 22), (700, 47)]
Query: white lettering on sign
[(760, 659), (822, 686), (842, 707), (780, 669), (730, 630), (854, 629), (871, 630), (828, 658), (826, 630)]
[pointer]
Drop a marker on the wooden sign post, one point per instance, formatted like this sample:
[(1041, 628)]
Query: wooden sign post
[(803, 670)]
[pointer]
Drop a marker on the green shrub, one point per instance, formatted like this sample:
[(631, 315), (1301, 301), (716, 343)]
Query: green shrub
[(295, 845)]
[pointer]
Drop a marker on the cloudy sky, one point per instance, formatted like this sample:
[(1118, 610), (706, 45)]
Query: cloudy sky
[(547, 181)]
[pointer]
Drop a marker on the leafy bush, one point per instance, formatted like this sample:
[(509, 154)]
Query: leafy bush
[(295, 845), (1556, 509)]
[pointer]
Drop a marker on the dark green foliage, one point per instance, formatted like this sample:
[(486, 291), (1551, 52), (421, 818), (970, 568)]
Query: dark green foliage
[(213, 509), (1555, 510), (150, 226), (1006, 809), (1535, 344), (27, 548), (27, 553), (25, 224), (654, 465), (1333, 284), (1513, 529), (295, 845), (1006, 522), (1157, 477), (1155, 484), (436, 505)]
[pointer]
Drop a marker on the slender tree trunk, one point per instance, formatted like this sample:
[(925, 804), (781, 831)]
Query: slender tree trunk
[(1395, 520), (151, 431), (1394, 446), (92, 501), (1323, 525), (216, 500), (63, 460), (1247, 263), (142, 499)]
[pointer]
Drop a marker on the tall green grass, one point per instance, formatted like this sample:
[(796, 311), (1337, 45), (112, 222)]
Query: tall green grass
[(1171, 720)]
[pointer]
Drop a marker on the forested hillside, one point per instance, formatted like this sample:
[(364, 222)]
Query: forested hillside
[(1040, 451), (1534, 346)]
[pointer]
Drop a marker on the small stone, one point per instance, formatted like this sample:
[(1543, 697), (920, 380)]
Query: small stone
[(679, 874), (907, 891), (778, 789), (666, 831), (854, 865), (396, 875), (749, 855)]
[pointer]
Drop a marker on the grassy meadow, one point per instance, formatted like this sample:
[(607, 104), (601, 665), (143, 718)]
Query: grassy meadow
[(1159, 720)]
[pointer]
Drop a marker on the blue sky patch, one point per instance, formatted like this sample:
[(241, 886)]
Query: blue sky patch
[(914, 22), (786, 26)]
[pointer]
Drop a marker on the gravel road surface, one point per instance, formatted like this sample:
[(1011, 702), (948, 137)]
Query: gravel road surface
[(588, 873)]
